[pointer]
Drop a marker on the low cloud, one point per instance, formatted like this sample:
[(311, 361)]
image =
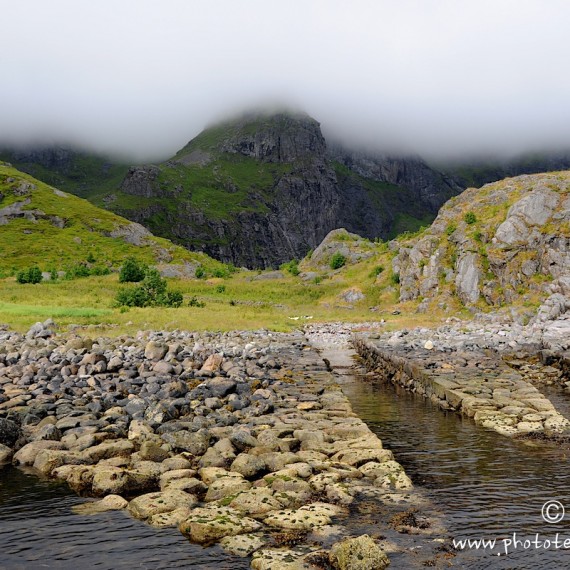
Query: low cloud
[(141, 78)]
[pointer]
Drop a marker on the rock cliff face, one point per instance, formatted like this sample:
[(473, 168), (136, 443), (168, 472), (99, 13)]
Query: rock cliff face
[(504, 243), (264, 189), (255, 192)]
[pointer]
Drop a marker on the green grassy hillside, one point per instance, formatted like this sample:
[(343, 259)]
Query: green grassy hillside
[(41, 225)]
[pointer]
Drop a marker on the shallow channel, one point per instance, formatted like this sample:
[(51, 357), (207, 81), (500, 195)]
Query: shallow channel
[(487, 486)]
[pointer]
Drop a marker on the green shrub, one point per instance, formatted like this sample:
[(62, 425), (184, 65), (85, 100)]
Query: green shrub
[(132, 271), (200, 272), (195, 303), (100, 270), (79, 270), (220, 289), (172, 299), (338, 260), (470, 218), (291, 267), (225, 271), (395, 278), (30, 275), (450, 228), (152, 292), (478, 236)]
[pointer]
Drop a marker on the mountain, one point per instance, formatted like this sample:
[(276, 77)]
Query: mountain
[(266, 188), (475, 172), (41, 225), (85, 174), (263, 189), (255, 191)]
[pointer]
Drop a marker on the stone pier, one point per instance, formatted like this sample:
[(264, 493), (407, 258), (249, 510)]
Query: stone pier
[(475, 383)]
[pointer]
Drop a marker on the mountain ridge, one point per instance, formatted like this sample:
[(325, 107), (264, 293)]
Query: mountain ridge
[(275, 189)]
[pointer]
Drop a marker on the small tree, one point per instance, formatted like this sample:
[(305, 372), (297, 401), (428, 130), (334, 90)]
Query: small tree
[(470, 218), (337, 260), (132, 271), (30, 275)]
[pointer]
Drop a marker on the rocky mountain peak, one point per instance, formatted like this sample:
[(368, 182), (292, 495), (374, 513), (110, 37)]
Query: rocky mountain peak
[(280, 137)]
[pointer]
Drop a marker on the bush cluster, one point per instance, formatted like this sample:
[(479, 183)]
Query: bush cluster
[(291, 267), (152, 292), (30, 275), (338, 260), (195, 303), (132, 271), (81, 269)]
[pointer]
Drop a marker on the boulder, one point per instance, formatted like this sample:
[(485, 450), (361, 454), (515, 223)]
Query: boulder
[(304, 518), (242, 545), (225, 487), (150, 451), (213, 363), (155, 350), (5, 453), (210, 524), (108, 503), (360, 553), (150, 504), (256, 502), (27, 454), (9, 432), (249, 466), (195, 443)]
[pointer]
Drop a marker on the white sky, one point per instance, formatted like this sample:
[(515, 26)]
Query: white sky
[(145, 76)]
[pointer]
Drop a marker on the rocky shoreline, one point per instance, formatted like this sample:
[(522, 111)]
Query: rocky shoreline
[(245, 439), (239, 438)]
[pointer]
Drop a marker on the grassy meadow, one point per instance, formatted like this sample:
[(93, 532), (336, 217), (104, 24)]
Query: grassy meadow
[(61, 233), (240, 301)]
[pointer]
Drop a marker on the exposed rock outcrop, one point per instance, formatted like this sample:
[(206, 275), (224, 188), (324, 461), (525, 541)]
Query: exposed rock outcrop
[(507, 242)]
